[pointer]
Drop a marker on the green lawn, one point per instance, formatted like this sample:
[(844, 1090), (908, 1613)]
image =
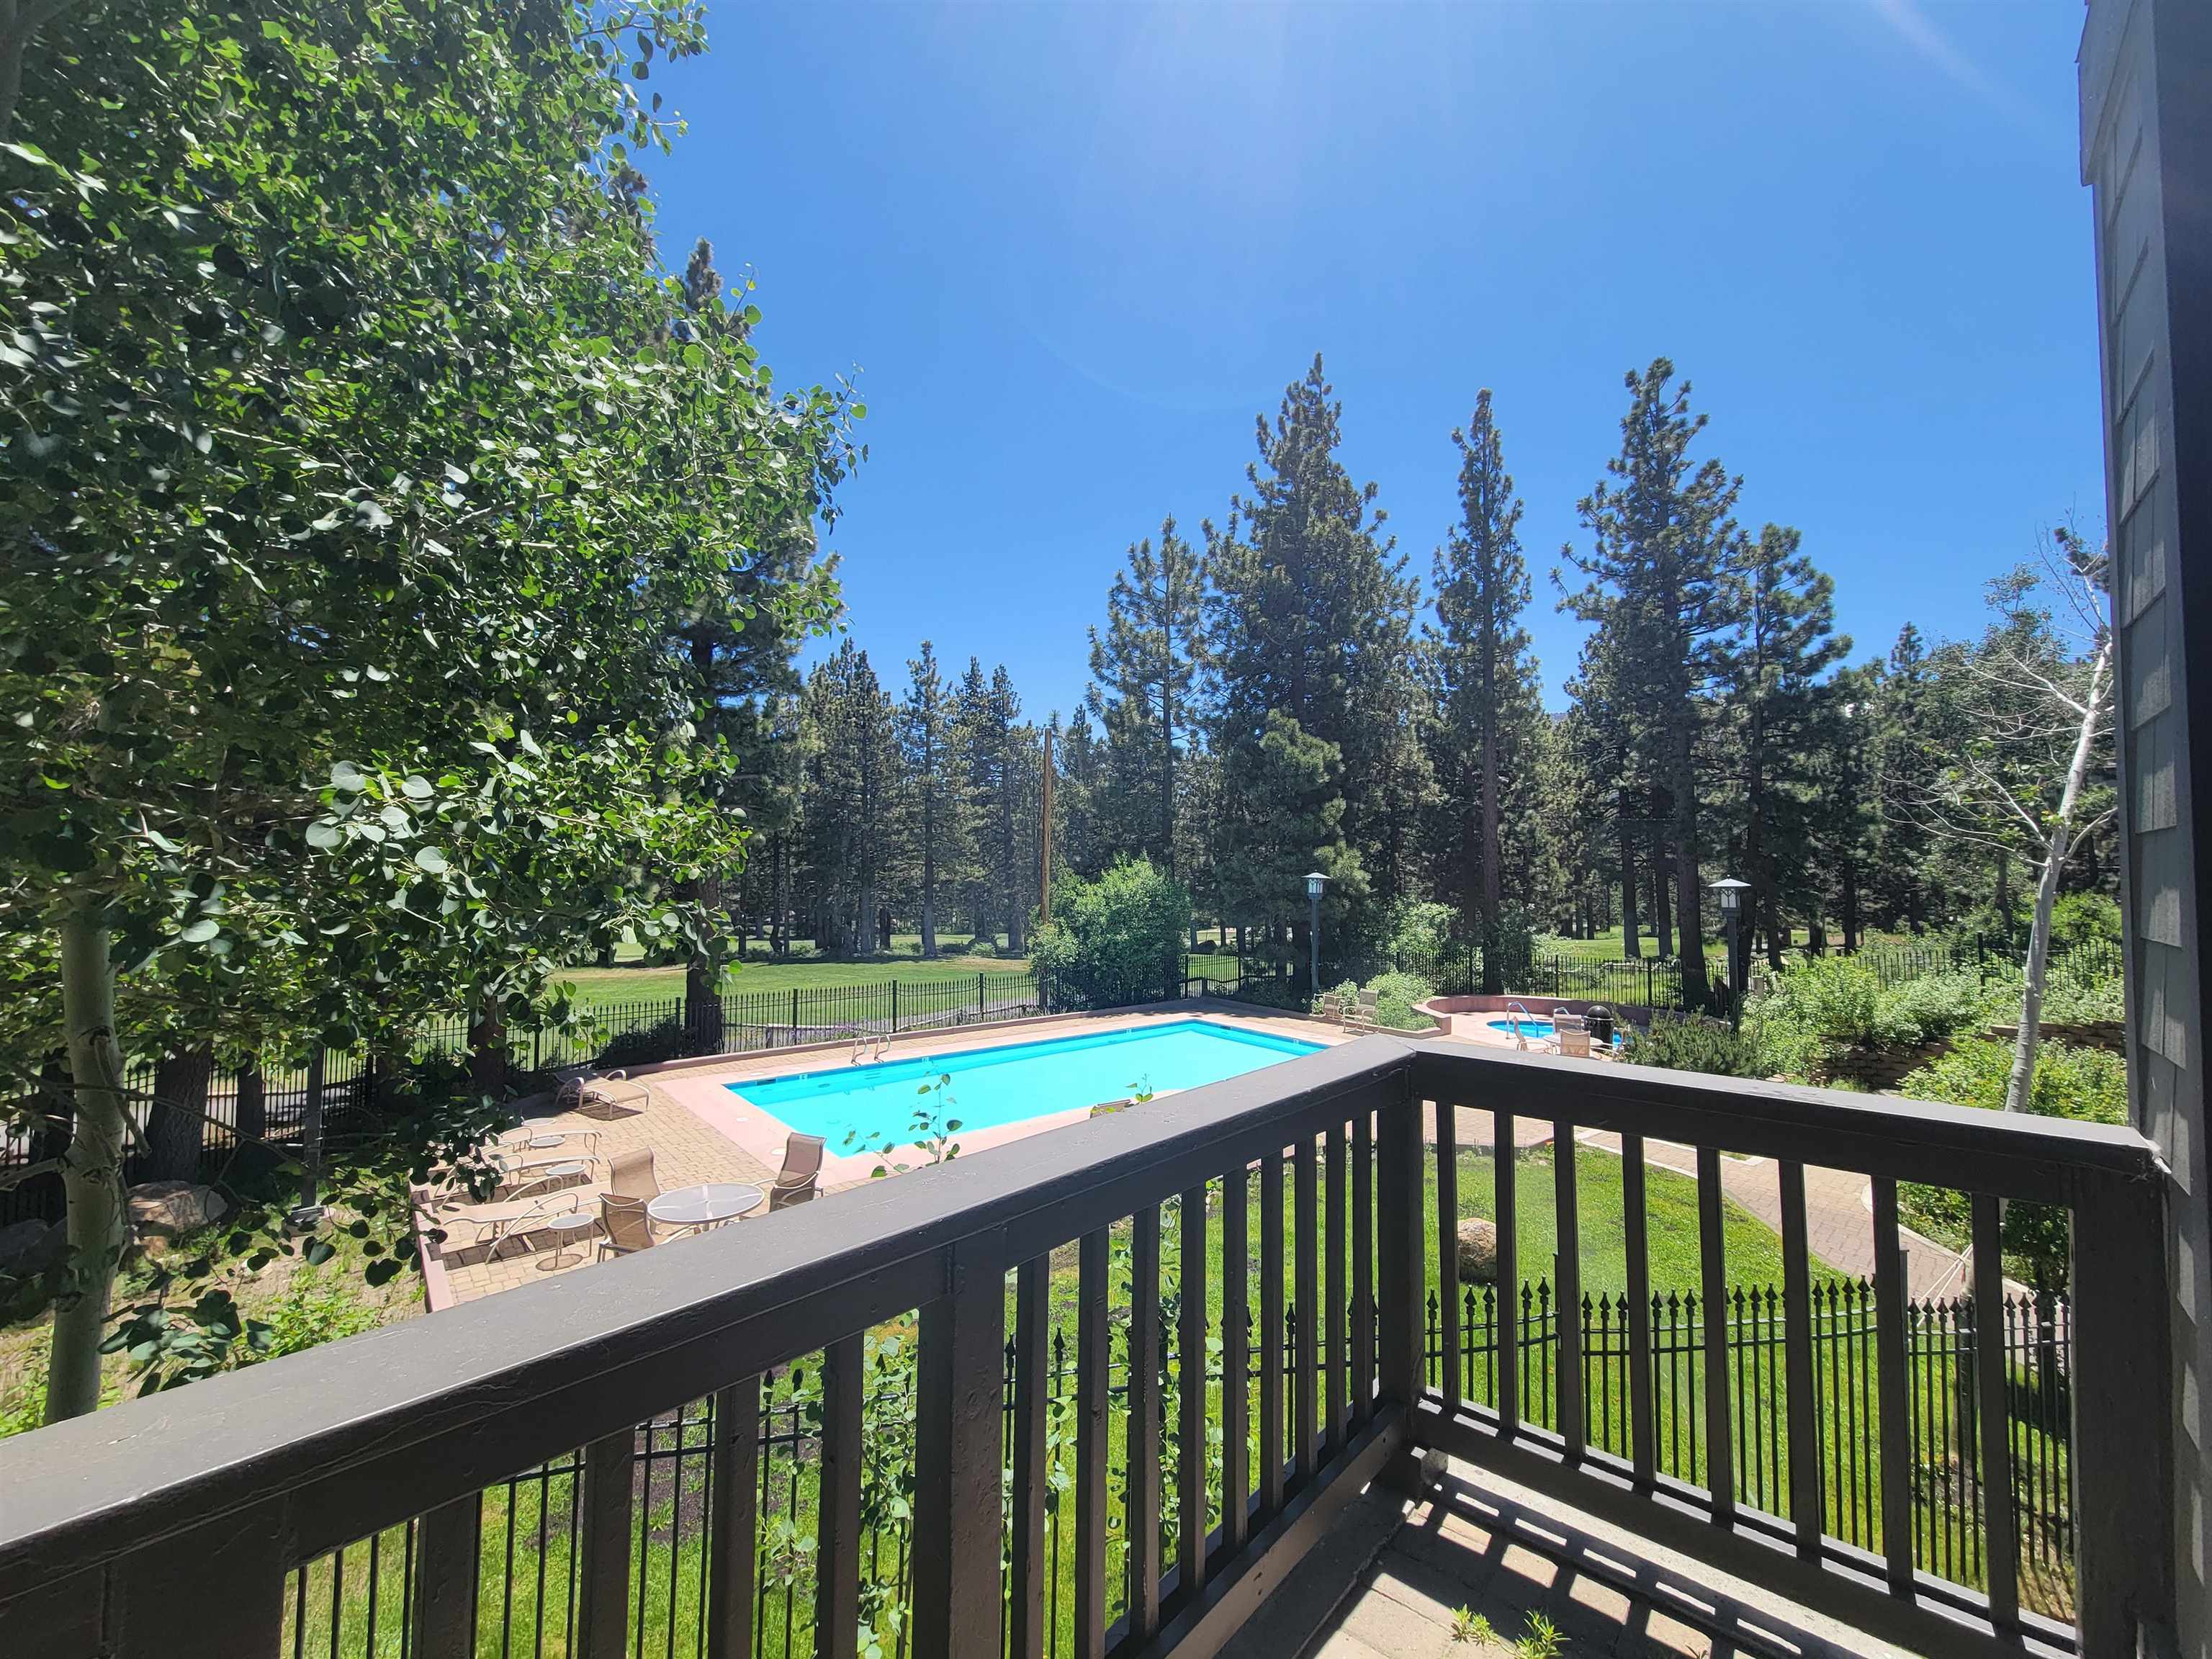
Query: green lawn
[(599, 986)]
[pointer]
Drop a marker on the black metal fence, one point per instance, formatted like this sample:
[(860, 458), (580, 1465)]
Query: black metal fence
[(631, 1033), (355, 1602)]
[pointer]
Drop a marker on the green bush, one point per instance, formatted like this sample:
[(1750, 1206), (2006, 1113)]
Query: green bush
[(1417, 936), (2078, 993), (2081, 918), (2087, 1085), (1397, 997), (1115, 940), (1693, 1043), (1923, 1010)]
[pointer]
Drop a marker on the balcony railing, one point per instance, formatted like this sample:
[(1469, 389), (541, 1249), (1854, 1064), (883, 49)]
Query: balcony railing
[(580, 1468)]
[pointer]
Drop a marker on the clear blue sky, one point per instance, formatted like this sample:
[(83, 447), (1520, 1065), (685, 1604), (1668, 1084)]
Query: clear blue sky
[(1069, 252)]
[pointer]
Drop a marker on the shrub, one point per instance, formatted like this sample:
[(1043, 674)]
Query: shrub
[(2087, 1085), (2081, 918), (1922, 1010), (1396, 999), (2076, 992), (1113, 940), (1417, 936), (1694, 1044)]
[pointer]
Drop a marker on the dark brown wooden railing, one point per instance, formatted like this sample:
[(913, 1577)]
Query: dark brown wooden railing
[(174, 1525)]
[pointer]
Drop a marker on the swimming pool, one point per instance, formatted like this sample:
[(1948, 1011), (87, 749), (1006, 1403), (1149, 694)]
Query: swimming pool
[(872, 1104), (1526, 1028)]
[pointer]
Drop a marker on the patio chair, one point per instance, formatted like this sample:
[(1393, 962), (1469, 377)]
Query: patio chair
[(629, 1227), (1360, 1017), (599, 1094), (631, 1175), (1329, 1006), (801, 1178)]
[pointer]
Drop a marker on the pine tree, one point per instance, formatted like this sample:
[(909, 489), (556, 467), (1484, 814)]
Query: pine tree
[(1487, 686), (1311, 612), (1785, 712), (1144, 669), (851, 792), (989, 735), (1283, 815), (936, 784), (1658, 578), (1906, 764)]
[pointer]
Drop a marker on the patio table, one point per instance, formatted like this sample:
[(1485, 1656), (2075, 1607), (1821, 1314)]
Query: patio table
[(707, 1206)]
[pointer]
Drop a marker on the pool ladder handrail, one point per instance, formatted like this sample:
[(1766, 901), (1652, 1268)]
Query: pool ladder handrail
[(1518, 1014), (870, 1045)]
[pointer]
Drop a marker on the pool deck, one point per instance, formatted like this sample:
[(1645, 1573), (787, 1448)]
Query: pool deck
[(698, 1130), (706, 1091)]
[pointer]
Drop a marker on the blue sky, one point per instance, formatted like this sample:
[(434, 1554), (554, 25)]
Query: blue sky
[(1068, 251)]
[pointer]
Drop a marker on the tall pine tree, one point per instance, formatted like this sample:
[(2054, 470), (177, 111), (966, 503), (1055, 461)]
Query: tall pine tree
[(936, 784), (1487, 686), (1658, 578), (1786, 709), (1144, 671)]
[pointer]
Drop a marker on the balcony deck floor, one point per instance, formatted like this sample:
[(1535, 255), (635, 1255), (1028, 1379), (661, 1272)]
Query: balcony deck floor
[(1479, 1546)]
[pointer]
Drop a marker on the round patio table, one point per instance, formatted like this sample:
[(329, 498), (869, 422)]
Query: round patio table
[(565, 1229), (707, 1205)]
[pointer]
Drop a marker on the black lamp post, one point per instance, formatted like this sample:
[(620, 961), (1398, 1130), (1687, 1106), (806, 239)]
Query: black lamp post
[(1315, 882), (1731, 892)]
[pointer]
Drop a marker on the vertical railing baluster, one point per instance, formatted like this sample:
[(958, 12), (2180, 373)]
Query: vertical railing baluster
[(1713, 1291), (1999, 1525), (1636, 1244), (445, 1580), (1032, 1384), (1271, 1336), (1571, 1386), (1333, 1281), (1363, 1267), (1507, 1210), (1190, 1426), (602, 1620), (1448, 1301), (960, 1421), (1236, 1361), (1807, 1510), (1402, 1276), (1141, 1513), (1305, 1228), (1094, 1361), (732, 1526), (837, 1518)]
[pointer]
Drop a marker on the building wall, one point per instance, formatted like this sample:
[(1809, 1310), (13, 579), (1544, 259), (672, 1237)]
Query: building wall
[(2146, 70)]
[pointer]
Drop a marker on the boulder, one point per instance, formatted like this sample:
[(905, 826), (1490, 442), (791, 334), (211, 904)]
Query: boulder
[(29, 1248), (1478, 1252), (170, 1209)]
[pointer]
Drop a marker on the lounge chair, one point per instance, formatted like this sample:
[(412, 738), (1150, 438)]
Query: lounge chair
[(629, 1227), (631, 1175), (519, 1138), (599, 1094), (801, 1177), (494, 1225)]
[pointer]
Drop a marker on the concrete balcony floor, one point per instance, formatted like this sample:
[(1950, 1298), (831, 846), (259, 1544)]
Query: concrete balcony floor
[(1394, 1581)]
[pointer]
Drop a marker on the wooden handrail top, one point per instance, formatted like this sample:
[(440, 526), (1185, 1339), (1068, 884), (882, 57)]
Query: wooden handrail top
[(362, 1433)]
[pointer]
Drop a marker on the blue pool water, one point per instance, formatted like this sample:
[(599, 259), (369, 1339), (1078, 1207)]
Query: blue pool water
[(1528, 1028), (1021, 1080)]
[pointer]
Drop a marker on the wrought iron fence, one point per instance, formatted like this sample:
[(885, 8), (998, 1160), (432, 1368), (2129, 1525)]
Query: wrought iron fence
[(356, 1603)]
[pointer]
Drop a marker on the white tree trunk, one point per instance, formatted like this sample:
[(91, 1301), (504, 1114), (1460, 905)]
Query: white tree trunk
[(2020, 1086), (92, 1169)]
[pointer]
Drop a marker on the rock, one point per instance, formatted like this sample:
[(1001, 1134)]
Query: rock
[(170, 1209), (29, 1248), (1478, 1252)]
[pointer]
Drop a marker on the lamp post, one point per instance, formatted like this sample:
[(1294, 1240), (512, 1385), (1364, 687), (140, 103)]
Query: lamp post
[(1315, 882), (1731, 893)]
